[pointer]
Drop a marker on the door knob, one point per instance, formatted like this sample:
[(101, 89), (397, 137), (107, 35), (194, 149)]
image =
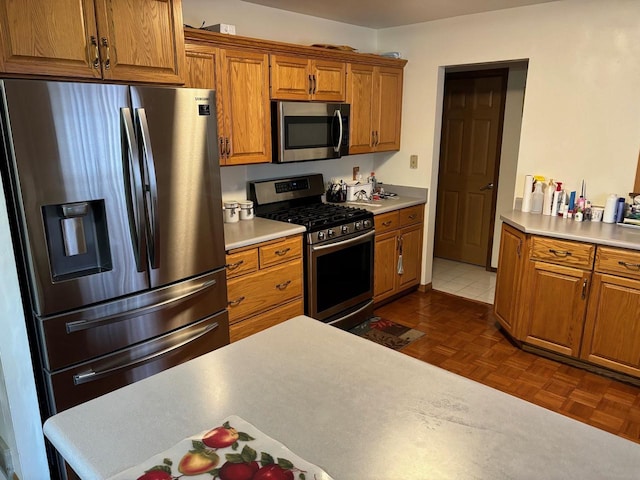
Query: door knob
[(488, 186)]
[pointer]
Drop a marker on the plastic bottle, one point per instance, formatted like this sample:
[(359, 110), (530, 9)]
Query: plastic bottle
[(555, 207), (548, 198), (374, 182), (537, 198)]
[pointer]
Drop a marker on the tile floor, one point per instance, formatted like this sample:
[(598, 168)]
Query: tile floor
[(464, 280)]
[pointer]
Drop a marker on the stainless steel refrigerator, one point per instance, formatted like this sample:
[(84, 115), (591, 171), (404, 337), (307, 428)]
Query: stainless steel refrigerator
[(115, 195)]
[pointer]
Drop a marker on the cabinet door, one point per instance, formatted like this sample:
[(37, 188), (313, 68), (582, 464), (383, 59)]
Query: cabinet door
[(244, 80), (55, 37), (291, 78), (511, 262), (385, 266), (556, 307), (201, 72), (141, 41), (410, 247), (360, 85), (329, 80), (612, 328), (387, 110)]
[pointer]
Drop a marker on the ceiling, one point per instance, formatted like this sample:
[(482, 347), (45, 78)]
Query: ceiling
[(391, 13)]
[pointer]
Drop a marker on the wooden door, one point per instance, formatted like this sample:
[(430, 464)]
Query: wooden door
[(360, 85), (55, 37), (473, 112), (612, 328), (410, 245), (556, 307), (387, 109), (385, 265), (290, 78), (142, 40), (244, 80), (329, 80), (511, 263)]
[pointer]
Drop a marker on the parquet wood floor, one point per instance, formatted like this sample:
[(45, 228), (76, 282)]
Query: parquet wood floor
[(463, 337)]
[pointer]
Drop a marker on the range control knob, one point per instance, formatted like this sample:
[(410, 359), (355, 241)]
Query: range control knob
[(367, 224), (321, 236), (345, 229), (331, 232), (358, 225)]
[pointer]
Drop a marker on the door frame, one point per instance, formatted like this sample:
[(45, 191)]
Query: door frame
[(511, 142)]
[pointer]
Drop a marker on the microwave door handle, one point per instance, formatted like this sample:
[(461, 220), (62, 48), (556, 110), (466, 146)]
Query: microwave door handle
[(338, 114), (133, 188), (151, 189)]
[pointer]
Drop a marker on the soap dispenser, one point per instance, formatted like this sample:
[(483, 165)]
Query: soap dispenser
[(537, 198)]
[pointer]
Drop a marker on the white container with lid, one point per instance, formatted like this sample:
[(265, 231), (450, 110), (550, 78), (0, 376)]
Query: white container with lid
[(246, 210), (231, 211), (609, 215)]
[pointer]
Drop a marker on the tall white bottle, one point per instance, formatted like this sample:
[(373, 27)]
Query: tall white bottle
[(528, 190), (537, 199), (548, 198)]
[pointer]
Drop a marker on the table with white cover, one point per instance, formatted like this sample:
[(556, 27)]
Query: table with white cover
[(354, 408)]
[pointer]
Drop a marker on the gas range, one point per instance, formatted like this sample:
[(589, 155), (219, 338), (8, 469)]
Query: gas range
[(339, 244), (299, 200)]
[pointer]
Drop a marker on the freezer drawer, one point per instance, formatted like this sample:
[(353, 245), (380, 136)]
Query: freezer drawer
[(89, 380), (80, 335)]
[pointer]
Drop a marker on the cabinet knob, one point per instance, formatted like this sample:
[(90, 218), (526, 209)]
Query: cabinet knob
[(235, 303), (630, 266), (233, 266), (96, 52), (560, 253), (283, 285), (107, 61), (282, 251)]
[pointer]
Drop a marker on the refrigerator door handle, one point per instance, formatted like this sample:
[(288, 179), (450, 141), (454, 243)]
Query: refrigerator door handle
[(79, 325), (133, 188), (92, 375), (151, 188)]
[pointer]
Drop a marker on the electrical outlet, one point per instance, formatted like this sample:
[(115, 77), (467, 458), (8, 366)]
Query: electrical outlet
[(356, 171), (413, 161)]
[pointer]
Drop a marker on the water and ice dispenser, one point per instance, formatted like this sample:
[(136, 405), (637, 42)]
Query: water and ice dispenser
[(77, 239)]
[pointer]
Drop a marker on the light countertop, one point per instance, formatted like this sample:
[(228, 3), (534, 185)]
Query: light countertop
[(250, 232), (356, 409), (256, 230), (601, 233)]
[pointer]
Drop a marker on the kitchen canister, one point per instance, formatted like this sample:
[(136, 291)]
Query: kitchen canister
[(231, 211), (610, 209), (246, 210)]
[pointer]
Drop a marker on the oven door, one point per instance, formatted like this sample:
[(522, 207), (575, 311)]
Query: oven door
[(339, 275)]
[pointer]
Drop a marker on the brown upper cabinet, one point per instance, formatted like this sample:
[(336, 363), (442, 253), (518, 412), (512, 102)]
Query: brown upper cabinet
[(115, 40), (247, 73), (241, 81), (297, 78), (375, 95)]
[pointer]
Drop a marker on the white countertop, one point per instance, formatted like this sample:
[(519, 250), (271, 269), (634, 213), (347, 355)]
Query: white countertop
[(256, 230), (356, 409), (601, 233)]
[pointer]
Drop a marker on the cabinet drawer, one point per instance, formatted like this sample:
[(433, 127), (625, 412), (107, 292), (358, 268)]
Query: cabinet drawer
[(241, 263), (621, 262), (563, 252), (264, 289), (280, 252), (386, 221), (411, 215), (259, 322)]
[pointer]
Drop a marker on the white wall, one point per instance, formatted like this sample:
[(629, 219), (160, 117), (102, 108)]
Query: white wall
[(581, 117), (24, 430)]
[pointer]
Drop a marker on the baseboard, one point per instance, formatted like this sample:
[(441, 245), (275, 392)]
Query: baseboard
[(425, 288)]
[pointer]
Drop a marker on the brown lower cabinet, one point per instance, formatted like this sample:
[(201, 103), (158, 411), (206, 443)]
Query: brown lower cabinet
[(398, 251), (576, 299), (264, 285)]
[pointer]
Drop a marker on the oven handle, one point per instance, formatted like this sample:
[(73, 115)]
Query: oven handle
[(338, 114), (344, 243)]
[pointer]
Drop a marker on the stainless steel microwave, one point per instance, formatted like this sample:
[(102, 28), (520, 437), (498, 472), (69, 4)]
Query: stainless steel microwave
[(309, 131)]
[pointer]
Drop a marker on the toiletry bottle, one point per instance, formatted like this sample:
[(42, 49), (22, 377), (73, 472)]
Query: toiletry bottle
[(374, 182), (555, 206), (537, 198), (548, 198)]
